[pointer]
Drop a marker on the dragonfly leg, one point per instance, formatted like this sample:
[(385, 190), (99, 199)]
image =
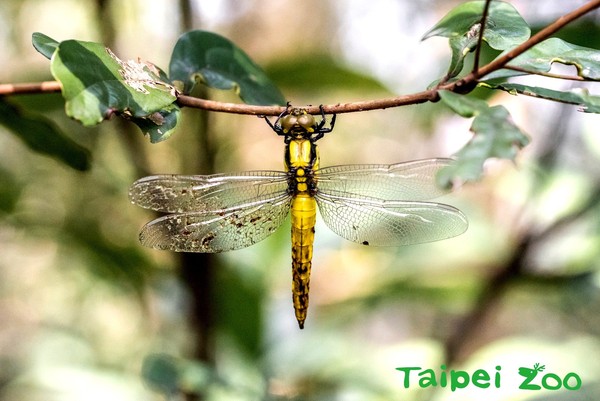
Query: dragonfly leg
[(276, 126), (320, 130)]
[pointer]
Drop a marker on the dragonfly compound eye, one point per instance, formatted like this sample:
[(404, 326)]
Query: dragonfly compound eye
[(288, 122), (306, 121)]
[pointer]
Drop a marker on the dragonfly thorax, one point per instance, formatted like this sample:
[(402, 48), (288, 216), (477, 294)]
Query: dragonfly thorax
[(301, 153), (301, 161)]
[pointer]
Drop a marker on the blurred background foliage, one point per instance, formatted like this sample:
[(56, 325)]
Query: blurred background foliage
[(87, 313)]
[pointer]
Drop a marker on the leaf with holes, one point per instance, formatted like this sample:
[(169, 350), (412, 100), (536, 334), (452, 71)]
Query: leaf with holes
[(97, 84)]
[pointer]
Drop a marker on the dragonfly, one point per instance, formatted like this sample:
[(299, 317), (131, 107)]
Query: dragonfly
[(370, 204)]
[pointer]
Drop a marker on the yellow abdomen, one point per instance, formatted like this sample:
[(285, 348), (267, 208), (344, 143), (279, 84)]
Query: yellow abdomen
[(304, 216)]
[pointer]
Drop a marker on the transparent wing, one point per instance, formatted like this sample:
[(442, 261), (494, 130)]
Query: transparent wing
[(194, 193), (378, 222), (408, 181), (217, 230)]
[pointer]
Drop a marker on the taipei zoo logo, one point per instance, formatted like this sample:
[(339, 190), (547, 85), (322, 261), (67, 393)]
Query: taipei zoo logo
[(534, 378)]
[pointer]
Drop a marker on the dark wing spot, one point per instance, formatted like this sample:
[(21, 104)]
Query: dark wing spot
[(365, 242), (208, 239)]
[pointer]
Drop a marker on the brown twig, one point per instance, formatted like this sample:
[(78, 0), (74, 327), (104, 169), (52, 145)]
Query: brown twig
[(484, 17), (28, 88), (239, 108), (464, 85)]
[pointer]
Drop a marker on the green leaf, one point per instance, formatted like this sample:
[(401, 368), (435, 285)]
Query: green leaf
[(10, 191), (505, 28), (580, 97), (96, 84), (461, 47), (162, 372), (465, 106), (172, 376), (218, 63), (554, 50), (44, 44), (495, 135), (161, 124), (41, 136)]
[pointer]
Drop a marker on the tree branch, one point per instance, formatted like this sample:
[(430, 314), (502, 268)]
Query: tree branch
[(240, 108), (464, 85), (29, 88), (542, 35)]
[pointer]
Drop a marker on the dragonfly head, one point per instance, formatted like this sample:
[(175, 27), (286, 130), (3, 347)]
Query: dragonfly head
[(298, 123)]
